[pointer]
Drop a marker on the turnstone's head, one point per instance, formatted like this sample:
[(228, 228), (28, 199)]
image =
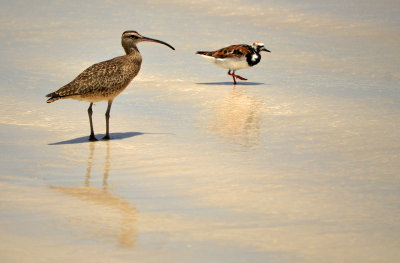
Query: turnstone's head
[(258, 46)]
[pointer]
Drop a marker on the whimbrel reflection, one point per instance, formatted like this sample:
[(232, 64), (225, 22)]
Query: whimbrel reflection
[(237, 118), (119, 221)]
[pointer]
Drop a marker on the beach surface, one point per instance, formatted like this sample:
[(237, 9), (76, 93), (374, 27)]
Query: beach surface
[(301, 163)]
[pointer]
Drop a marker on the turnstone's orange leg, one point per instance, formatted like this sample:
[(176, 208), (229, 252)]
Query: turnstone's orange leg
[(239, 77), (233, 76)]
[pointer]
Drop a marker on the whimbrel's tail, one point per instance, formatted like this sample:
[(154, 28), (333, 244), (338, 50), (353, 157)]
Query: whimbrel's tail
[(53, 97), (62, 93), (56, 96)]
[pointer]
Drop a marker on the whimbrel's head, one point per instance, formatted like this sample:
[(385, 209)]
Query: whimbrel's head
[(130, 38), (258, 46)]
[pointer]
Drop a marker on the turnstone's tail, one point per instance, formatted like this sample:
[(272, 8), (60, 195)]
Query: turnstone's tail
[(206, 53)]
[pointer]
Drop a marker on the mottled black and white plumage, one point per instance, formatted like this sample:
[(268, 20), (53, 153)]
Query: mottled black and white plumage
[(235, 57), (107, 79)]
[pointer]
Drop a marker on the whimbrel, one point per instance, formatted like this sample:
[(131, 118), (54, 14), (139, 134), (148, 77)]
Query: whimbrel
[(235, 57), (107, 79)]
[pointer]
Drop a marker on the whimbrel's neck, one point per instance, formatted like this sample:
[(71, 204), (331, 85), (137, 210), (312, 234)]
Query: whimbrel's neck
[(133, 54), (131, 49)]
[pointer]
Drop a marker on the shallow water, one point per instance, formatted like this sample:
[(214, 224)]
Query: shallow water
[(298, 164)]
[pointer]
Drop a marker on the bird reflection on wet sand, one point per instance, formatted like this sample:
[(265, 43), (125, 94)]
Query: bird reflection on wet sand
[(237, 118), (120, 220)]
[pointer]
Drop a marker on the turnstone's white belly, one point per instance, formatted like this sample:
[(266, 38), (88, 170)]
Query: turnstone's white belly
[(229, 63)]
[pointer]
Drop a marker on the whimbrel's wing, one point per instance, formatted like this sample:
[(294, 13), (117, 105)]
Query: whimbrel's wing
[(101, 79)]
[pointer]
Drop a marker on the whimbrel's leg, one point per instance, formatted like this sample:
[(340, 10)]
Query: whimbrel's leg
[(90, 112), (107, 136)]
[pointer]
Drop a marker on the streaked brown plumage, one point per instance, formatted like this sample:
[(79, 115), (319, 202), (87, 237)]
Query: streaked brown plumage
[(107, 79)]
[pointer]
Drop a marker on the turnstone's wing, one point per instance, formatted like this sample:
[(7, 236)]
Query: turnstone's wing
[(234, 51)]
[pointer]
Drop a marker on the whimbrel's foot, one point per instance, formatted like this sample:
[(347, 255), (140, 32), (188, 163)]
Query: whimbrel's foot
[(106, 137), (92, 138)]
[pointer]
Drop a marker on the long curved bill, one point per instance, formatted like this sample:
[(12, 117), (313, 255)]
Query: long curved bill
[(157, 41)]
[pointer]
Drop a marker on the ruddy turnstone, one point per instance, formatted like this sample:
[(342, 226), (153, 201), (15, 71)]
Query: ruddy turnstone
[(235, 57)]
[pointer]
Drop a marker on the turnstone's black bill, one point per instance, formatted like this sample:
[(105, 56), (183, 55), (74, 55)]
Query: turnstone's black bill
[(235, 57)]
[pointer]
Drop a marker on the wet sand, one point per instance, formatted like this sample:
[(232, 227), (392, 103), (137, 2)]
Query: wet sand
[(299, 164)]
